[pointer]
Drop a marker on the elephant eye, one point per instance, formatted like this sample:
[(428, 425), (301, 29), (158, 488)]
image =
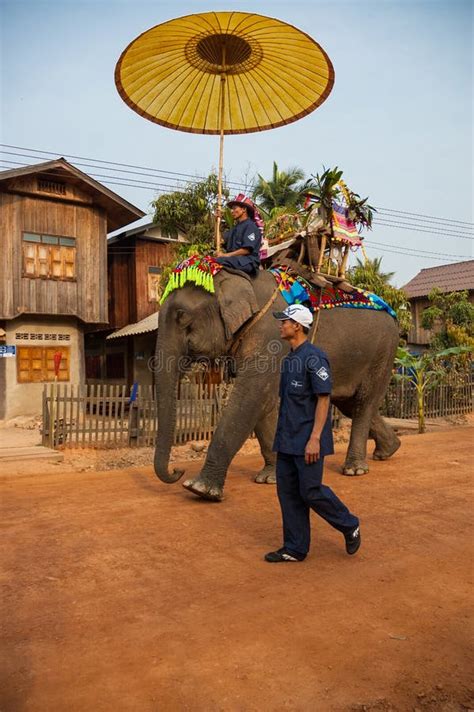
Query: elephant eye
[(183, 318)]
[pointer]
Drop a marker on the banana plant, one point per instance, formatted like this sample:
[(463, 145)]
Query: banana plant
[(423, 372)]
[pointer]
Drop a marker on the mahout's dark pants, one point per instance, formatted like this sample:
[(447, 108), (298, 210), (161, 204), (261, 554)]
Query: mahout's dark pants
[(241, 262), (300, 489)]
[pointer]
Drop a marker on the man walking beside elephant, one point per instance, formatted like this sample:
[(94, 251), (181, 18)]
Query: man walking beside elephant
[(303, 438)]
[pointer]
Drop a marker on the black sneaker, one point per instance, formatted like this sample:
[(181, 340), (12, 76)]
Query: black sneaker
[(283, 554), (353, 540)]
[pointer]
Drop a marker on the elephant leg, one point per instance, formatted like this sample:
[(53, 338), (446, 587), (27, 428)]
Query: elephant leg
[(238, 420), (265, 432), (360, 411), (386, 441)]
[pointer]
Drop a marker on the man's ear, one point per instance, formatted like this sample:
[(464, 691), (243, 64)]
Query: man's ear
[(236, 298)]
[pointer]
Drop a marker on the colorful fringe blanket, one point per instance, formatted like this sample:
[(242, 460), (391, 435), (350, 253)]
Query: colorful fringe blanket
[(296, 290), (198, 270), (344, 229)]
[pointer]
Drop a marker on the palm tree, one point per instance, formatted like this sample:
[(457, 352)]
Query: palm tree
[(284, 189), (368, 275)]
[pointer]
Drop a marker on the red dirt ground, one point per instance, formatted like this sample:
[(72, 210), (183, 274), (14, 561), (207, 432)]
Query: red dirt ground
[(122, 593)]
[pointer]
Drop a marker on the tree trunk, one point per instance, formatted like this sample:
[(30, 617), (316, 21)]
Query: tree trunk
[(421, 411)]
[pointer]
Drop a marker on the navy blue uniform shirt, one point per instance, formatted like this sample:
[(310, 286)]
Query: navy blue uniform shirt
[(245, 234), (305, 375)]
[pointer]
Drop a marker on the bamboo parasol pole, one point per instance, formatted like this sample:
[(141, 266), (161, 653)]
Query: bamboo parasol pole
[(221, 151)]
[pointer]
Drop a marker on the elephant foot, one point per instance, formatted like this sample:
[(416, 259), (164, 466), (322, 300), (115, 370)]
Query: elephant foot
[(354, 469), (202, 489), (266, 476), (384, 454)]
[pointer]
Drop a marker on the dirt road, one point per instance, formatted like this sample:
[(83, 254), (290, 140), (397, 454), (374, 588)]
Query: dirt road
[(122, 593)]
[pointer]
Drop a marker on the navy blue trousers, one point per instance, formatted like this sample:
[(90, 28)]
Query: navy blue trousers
[(300, 489), (242, 262)]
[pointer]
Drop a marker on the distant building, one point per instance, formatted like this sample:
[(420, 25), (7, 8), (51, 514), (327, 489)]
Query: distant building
[(120, 353), (53, 283), (455, 277)]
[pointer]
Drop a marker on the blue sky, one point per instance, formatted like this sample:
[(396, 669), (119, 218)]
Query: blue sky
[(398, 121)]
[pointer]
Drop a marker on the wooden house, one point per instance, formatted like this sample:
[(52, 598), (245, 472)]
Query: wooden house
[(53, 283), (456, 277), (120, 354)]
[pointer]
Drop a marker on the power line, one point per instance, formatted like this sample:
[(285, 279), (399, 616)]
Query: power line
[(406, 226), (155, 186), (91, 165), (421, 257), (423, 222), (418, 252), (421, 254), (111, 163), (426, 218), (403, 212), (164, 188)]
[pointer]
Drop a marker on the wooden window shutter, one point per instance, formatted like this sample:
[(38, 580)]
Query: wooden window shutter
[(43, 261), (63, 374), (69, 262), (29, 259), (30, 364), (56, 262), (36, 364)]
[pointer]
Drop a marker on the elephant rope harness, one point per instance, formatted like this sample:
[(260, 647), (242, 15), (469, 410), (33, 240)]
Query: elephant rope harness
[(252, 322), (258, 316)]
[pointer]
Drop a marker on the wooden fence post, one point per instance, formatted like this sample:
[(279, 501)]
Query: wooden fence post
[(133, 417), (46, 418)]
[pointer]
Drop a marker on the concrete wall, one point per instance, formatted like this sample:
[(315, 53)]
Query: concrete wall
[(26, 398)]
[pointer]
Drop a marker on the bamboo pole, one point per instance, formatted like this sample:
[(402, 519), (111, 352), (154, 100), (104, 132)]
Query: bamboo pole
[(321, 254), (221, 151), (345, 258)]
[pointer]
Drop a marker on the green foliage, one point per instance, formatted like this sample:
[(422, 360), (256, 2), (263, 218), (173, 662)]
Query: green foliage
[(284, 189), (324, 189), (452, 317), (368, 275), (425, 371), (327, 187), (190, 211)]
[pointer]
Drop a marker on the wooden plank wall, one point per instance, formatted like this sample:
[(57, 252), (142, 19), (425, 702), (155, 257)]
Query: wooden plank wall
[(121, 290), (148, 254), (86, 297), (416, 334), (11, 253)]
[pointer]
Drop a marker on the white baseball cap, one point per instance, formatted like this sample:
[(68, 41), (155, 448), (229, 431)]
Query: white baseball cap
[(296, 312)]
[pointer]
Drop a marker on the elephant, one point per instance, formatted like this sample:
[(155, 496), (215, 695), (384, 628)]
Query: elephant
[(195, 324)]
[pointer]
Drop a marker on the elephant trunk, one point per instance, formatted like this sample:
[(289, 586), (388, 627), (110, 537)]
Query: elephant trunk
[(166, 392)]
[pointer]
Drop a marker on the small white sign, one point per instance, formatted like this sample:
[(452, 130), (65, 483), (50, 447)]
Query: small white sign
[(7, 351)]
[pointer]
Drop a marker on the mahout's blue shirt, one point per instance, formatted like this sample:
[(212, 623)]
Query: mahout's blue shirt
[(245, 234), (305, 375)]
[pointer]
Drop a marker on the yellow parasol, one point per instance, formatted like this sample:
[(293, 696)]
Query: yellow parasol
[(224, 73)]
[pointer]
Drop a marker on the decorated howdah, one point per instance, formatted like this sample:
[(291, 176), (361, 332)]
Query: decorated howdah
[(296, 290), (201, 270)]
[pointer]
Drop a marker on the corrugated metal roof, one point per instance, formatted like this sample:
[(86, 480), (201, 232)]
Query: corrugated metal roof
[(147, 231), (448, 278), (149, 323)]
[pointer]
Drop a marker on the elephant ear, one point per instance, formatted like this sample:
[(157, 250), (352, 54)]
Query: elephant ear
[(236, 299)]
